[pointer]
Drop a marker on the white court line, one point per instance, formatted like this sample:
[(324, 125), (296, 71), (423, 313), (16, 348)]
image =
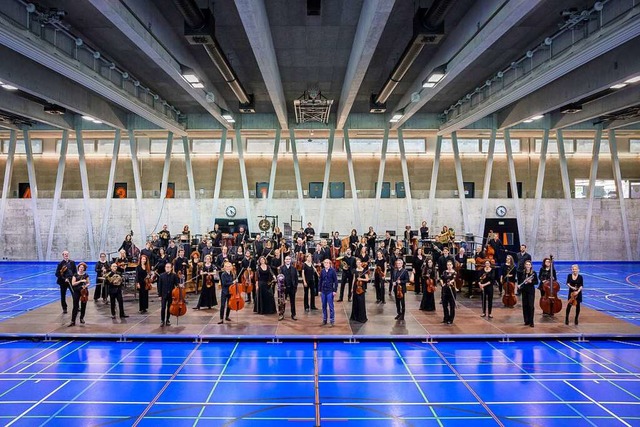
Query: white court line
[(598, 404), (46, 355), (37, 403)]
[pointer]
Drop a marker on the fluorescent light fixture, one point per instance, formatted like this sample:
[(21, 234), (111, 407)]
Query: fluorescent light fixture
[(538, 117), (189, 75), (9, 87), (397, 116), (436, 75), (635, 79), (96, 121), (528, 121), (197, 85), (88, 118), (618, 86), (227, 116)]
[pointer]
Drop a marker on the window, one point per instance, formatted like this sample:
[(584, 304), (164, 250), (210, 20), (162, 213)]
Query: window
[(464, 145), (210, 146), (586, 146), (552, 147), (159, 146), (72, 147), (312, 145), (36, 146), (105, 147), (365, 145), (265, 146), (634, 145), (500, 147), (604, 189), (410, 146)]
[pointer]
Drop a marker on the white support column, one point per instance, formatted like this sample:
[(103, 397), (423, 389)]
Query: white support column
[(296, 170), (57, 192), (86, 195), (137, 182), (595, 156), (325, 182), (165, 172), (274, 166), (434, 181), (514, 184), (195, 218), (216, 189), (34, 192), (460, 180), (8, 174), (109, 195), (617, 175), (352, 180), (243, 178), (538, 196), (405, 178), (488, 171), (566, 186), (383, 159)]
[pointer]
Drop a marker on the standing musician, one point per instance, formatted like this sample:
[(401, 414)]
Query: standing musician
[(226, 280), (379, 277), (447, 281), (242, 237), (360, 280), (353, 241), (208, 249), (508, 274), (363, 256), (102, 266), (236, 260), (527, 281), (276, 261), (164, 236), (162, 259), (277, 235), (309, 274), (79, 282), (486, 281), (328, 286), (429, 273), (424, 231), (148, 252), (172, 251), (249, 264), (222, 258), (318, 258), (460, 265), (444, 259), (180, 265), (266, 303), (114, 279), (418, 261), (336, 242), (145, 276), (371, 240), (195, 266), (216, 236), (407, 236), (156, 243), (348, 264), (267, 251), (521, 258), (399, 279), (202, 245), (325, 251), (291, 285), (381, 248), (362, 246), (285, 250), (127, 246), (309, 232), (185, 240), (500, 254), (65, 271), (166, 282), (575, 284), (389, 243), (258, 246), (546, 273), (208, 295)]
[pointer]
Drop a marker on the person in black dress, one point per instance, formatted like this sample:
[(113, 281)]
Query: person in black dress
[(102, 267), (127, 246), (309, 274), (486, 281), (79, 281), (527, 281), (447, 281), (266, 301), (379, 277), (575, 284), (208, 295), (417, 263), (429, 272), (144, 272), (360, 280)]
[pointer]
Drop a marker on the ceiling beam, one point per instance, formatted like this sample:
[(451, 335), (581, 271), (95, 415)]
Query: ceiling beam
[(373, 19), (621, 123), (579, 54), (464, 45), (592, 78), (19, 106), (130, 25), (29, 45)]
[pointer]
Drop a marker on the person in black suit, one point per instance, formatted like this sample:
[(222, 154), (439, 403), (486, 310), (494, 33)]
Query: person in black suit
[(226, 280), (521, 258), (65, 270), (291, 284), (166, 282)]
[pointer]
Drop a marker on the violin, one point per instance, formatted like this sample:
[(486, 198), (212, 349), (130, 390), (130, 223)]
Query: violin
[(84, 294), (509, 299), (178, 306), (148, 281), (236, 301), (550, 303), (208, 280), (573, 299), (431, 285), (359, 290)]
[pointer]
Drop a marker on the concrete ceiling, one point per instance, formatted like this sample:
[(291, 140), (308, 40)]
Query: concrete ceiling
[(311, 50)]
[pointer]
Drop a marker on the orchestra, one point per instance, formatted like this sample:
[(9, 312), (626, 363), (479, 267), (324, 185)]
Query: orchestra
[(266, 270)]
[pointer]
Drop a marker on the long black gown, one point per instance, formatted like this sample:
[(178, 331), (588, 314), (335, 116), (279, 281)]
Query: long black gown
[(358, 307), (208, 295), (428, 302), (266, 302)]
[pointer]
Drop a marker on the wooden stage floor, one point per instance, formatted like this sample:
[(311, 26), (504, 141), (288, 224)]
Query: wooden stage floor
[(49, 322)]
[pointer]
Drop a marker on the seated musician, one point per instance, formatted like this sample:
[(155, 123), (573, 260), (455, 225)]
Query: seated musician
[(164, 236), (300, 235), (208, 249), (202, 244), (309, 232), (122, 262), (300, 249)]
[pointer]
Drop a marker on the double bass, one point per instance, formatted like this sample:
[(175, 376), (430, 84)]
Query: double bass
[(509, 299), (178, 306), (550, 303), (236, 301)]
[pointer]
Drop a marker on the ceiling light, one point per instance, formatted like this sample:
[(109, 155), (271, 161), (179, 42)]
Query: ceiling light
[(227, 116), (88, 118), (618, 86), (397, 116), (96, 121), (9, 87), (633, 80), (538, 117), (197, 85), (436, 75), (528, 121)]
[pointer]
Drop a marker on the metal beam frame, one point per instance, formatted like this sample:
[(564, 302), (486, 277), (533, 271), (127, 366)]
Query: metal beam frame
[(25, 108), (195, 217), (352, 180), (243, 176), (274, 167), (86, 196), (434, 180), (566, 186), (219, 169), (8, 175), (488, 171), (405, 178), (33, 185), (109, 195), (595, 156), (514, 184), (383, 159), (164, 184), (460, 181), (325, 181), (133, 144), (617, 175), (296, 170), (542, 167)]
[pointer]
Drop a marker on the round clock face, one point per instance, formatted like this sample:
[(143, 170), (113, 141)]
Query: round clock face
[(501, 211), (230, 211)]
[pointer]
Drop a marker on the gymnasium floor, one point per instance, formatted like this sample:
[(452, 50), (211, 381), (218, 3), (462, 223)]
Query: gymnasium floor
[(404, 383)]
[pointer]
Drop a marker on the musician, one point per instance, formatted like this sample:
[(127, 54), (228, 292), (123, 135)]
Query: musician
[(166, 282), (267, 251), (360, 280), (208, 295), (336, 242), (362, 246), (424, 231), (444, 259), (381, 248), (486, 281), (395, 255), (226, 280), (527, 281), (144, 275), (318, 258), (309, 232), (447, 282), (266, 302), (249, 264), (102, 266), (418, 261), (328, 286), (285, 250), (575, 284), (546, 273), (161, 261), (508, 274), (371, 240), (127, 246), (202, 245), (407, 236), (156, 243), (300, 248), (300, 235), (363, 256), (79, 281), (353, 241), (122, 261), (258, 245), (379, 277), (172, 251), (195, 266), (276, 261), (522, 257), (389, 243), (222, 258), (348, 265), (148, 252), (242, 237), (460, 265), (499, 252), (291, 285), (65, 271), (277, 235), (114, 278), (429, 272), (180, 265), (164, 236), (325, 251), (236, 260), (216, 236), (208, 249), (399, 279), (309, 274)]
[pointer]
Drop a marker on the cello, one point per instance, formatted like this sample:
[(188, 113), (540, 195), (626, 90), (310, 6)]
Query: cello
[(550, 303), (178, 306), (509, 299), (236, 302), (247, 281)]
